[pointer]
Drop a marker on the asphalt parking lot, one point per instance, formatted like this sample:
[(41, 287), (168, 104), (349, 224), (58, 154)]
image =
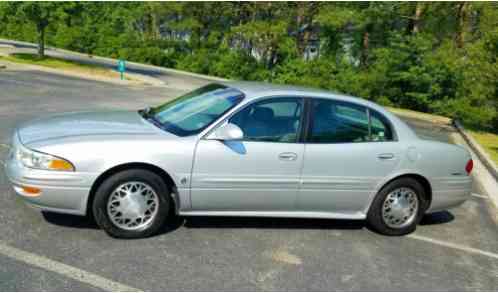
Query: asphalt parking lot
[(451, 250)]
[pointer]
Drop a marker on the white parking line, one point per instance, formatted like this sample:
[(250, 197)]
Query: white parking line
[(479, 196), (454, 246), (63, 269)]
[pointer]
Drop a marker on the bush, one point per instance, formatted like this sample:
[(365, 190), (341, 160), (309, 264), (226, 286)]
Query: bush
[(234, 64), (149, 55), (199, 61)]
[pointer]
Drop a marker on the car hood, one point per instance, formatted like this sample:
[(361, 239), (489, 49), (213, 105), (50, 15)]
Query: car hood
[(85, 124)]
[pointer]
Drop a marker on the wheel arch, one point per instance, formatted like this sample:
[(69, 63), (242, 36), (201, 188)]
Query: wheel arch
[(134, 165), (421, 179)]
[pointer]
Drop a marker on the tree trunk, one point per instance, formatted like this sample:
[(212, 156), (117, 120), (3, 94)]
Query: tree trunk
[(305, 14), (154, 26), (416, 19), (299, 34), (365, 48), (41, 41), (462, 20), (272, 60)]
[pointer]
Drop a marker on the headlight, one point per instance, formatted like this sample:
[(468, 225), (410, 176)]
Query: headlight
[(37, 160)]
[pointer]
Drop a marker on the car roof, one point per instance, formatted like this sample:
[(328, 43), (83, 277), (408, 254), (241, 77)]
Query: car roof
[(253, 90)]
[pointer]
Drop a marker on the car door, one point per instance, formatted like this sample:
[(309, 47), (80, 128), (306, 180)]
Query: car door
[(349, 149), (260, 172)]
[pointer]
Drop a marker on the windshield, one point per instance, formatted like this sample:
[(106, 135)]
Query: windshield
[(194, 111)]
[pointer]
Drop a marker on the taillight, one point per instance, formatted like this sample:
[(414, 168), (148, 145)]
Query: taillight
[(469, 166)]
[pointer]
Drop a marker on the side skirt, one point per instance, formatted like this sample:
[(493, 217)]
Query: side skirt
[(277, 214)]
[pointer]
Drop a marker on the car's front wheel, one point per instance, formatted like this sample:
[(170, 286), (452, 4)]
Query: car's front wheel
[(131, 204), (398, 207)]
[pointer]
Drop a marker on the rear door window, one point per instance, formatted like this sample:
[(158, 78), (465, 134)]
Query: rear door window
[(342, 122), (337, 122)]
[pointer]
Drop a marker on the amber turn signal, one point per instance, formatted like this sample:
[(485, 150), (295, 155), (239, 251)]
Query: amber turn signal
[(31, 191), (60, 165)]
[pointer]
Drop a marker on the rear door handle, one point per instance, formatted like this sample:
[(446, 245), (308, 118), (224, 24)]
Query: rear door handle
[(387, 156), (287, 156)]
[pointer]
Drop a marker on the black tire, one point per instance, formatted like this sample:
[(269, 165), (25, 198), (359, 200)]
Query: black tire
[(374, 217), (104, 191)]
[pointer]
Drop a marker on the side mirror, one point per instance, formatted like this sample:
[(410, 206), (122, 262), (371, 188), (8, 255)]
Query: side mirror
[(227, 132)]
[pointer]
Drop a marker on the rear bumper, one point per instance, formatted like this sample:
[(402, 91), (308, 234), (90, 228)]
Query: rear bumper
[(455, 192), (63, 192)]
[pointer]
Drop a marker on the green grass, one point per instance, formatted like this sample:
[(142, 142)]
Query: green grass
[(57, 63), (489, 141)]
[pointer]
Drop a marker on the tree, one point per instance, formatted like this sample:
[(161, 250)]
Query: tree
[(40, 14), (432, 56), (266, 31)]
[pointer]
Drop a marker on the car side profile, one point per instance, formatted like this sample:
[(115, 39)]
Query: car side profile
[(237, 149)]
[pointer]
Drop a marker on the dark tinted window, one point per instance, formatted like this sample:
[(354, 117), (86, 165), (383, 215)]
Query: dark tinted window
[(273, 120), (380, 127), (338, 122)]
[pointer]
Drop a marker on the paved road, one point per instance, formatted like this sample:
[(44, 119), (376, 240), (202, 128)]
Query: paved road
[(168, 76), (451, 250)]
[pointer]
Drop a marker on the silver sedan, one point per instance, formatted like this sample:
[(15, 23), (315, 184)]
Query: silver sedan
[(237, 149)]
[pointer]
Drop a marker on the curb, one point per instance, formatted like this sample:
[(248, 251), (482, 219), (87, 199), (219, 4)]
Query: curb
[(478, 150), (69, 73), (146, 79), (135, 77), (159, 68)]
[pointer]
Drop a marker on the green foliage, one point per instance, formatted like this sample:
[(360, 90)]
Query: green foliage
[(436, 57), (38, 14), (413, 73), (235, 65)]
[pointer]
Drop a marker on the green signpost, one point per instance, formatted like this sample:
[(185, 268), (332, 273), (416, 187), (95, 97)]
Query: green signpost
[(121, 67)]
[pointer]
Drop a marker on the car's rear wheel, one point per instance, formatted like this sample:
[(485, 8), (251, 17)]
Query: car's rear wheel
[(398, 207), (132, 204)]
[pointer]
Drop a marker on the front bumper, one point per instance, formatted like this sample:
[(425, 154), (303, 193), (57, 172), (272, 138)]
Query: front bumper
[(63, 192)]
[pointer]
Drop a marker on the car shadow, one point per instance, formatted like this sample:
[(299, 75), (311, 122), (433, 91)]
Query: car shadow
[(199, 222), (85, 222), (271, 223), (437, 218), (205, 222), (72, 221)]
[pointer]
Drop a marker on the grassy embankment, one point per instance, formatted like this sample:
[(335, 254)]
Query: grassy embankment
[(489, 141), (62, 64)]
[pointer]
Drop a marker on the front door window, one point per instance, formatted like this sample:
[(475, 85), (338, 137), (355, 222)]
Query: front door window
[(272, 120)]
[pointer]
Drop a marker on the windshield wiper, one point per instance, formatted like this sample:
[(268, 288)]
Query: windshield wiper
[(146, 112), (147, 115)]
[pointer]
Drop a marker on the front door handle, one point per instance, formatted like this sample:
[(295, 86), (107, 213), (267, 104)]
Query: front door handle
[(387, 156), (287, 156)]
